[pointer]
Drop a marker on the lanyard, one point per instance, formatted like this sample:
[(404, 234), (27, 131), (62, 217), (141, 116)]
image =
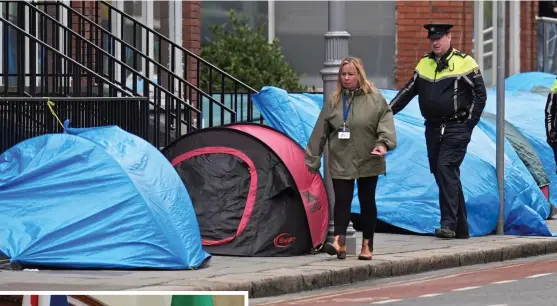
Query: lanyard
[(344, 110)]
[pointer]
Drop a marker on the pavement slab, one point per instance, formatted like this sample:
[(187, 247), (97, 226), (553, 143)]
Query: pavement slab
[(395, 255)]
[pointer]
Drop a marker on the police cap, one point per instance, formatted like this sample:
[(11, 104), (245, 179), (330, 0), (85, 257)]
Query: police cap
[(437, 30)]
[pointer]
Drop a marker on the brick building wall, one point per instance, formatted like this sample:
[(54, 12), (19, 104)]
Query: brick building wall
[(412, 43), (80, 52), (191, 36), (90, 10), (528, 35)]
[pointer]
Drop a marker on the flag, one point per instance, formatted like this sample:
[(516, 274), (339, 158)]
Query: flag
[(45, 300), (192, 300)]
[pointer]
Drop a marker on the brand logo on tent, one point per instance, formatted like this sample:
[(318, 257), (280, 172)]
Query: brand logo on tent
[(284, 240), (314, 202)]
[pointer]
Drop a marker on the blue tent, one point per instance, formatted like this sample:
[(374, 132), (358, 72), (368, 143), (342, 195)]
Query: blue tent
[(95, 198), (525, 96), (410, 202)]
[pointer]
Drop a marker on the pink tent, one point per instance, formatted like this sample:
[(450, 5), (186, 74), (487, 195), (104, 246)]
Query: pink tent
[(251, 191)]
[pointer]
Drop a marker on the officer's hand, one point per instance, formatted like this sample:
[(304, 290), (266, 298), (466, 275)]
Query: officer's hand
[(379, 150)]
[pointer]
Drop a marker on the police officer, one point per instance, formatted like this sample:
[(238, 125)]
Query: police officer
[(451, 95), (550, 116)]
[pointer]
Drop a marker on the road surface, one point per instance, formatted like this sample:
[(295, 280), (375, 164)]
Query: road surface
[(526, 282)]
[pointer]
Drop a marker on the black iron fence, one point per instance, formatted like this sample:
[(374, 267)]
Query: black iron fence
[(45, 65), (152, 58), (23, 118), (225, 88), (41, 70)]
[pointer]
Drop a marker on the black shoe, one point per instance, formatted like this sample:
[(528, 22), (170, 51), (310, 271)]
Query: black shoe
[(462, 236), (330, 249), (339, 250), (445, 233)]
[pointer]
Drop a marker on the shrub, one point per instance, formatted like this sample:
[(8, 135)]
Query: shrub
[(245, 54)]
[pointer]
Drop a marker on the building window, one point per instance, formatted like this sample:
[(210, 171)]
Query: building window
[(216, 13)]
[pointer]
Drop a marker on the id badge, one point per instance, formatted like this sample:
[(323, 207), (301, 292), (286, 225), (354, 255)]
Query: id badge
[(344, 133)]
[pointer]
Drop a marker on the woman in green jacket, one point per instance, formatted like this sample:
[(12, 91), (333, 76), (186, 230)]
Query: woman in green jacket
[(358, 124)]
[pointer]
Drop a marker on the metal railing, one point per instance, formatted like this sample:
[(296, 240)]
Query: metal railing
[(546, 56), (44, 77), (58, 76), (172, 116), (136, 62), (22, 118), (229, 91)]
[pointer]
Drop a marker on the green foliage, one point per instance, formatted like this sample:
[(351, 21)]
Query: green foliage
[(245, 54)]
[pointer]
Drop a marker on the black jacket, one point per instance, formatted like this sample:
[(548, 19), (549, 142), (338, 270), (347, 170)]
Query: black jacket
[(448, 90), (550, 114)]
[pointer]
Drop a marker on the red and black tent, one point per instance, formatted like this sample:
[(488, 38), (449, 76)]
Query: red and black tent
[(251, 190)]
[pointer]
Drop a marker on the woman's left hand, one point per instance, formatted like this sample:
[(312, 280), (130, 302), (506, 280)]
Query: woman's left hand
[(379, 150)]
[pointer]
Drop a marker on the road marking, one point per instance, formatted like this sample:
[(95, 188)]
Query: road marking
[(430, 295), (364, 299), (466, 288), (360, 290), (402, 283), (538, 275), (387, 301), (504, 282)]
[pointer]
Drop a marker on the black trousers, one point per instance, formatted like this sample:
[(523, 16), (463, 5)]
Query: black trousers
[(446, 152), (344, 193)]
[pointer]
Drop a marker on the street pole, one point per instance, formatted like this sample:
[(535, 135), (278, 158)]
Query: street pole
[(500, 151), (336, 48)]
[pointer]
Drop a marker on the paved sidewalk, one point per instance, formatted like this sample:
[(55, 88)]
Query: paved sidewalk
[(395, 255)]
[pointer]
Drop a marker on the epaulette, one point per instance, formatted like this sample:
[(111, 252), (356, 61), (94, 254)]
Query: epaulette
[(426, 55), (460, 53)]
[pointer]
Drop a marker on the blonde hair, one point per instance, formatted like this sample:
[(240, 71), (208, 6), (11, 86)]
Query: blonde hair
[(366, 86)]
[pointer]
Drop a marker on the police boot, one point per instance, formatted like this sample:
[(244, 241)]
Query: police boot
[(338, 247), (444, 232), (367, 250)]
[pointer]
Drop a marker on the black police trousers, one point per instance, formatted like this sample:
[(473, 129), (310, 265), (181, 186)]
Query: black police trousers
[(446, 149)]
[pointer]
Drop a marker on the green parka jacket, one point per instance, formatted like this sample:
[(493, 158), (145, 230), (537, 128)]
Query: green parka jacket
[(370, 122)]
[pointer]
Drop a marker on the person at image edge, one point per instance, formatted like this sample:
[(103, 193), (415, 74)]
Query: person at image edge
[(550, 116)]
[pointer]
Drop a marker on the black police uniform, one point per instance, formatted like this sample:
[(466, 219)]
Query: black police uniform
[(452, 97), (550, 119)]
